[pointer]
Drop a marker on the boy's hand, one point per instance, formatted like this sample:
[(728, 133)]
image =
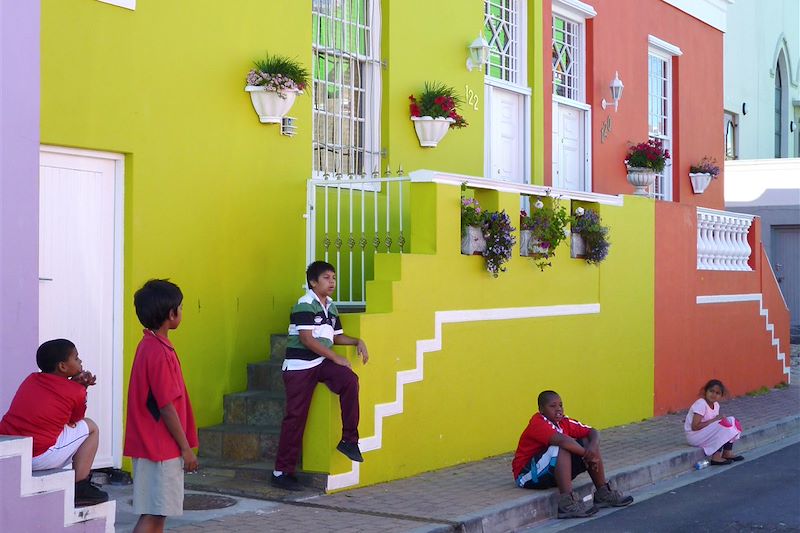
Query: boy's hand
[(85, 378), (189, 461), (361, 347), (339, 360)]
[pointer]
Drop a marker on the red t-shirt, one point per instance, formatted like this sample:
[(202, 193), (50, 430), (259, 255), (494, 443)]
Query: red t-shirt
[(536, 438), (43, 405), (156, 381)]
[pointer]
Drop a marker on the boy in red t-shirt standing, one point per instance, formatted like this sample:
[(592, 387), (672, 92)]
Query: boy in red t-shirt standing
[(49, 407), (161, 433), (553, 450)]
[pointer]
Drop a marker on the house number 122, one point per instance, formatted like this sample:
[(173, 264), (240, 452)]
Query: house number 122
[(471, 97)]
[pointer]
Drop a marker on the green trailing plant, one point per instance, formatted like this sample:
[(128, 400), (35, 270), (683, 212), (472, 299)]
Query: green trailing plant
[(588, 224), (471, 214), (549, 225)]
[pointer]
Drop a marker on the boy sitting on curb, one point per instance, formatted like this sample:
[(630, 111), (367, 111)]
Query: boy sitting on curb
[(49, 406), (553, 450)]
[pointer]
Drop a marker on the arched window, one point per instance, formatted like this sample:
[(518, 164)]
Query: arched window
[(778, 108)]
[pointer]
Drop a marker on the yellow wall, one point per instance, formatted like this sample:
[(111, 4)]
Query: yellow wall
[(480, 390)]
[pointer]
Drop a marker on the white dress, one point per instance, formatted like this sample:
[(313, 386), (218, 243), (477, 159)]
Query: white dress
[(713, 436)]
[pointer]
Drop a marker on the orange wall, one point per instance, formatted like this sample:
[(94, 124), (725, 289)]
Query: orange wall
[(694, 343), (617, 40)]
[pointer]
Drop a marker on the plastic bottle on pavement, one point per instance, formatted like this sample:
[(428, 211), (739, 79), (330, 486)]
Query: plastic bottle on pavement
[(699, 465)]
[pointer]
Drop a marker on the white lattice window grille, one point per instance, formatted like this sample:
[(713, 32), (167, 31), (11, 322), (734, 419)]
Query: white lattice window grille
[(660, 116), (501, 28), (346, 86), (567, 53)]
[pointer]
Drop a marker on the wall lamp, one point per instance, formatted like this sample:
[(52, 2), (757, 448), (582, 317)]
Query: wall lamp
[(478, 53), (616, 92)]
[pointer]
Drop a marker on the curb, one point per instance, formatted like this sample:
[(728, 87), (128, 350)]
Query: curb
[(538, 506)]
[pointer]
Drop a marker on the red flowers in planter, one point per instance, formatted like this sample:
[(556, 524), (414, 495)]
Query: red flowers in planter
[(437, 100)]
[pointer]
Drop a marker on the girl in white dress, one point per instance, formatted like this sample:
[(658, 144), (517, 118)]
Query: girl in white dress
[(706, 428)]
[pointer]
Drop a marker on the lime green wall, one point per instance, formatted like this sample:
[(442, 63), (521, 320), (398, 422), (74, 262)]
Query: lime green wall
[(480, 389), (213, 199)]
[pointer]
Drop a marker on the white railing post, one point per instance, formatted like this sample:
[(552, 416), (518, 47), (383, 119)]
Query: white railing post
[(722, 240)]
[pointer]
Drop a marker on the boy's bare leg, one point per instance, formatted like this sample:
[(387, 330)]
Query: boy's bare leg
[(597, 471), (84, 457), (563, 473), (149, 523)]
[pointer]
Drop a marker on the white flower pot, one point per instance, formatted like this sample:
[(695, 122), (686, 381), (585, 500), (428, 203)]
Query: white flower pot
[(473, 242), (525, 242), (431, 130), (700, 181), (641, 179), (271, 106), (577, 246)]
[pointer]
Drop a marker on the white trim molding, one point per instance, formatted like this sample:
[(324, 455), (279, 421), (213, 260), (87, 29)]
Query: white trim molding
[(433, 176), (574, 8), (368, 444), (712, 12), (663, 46), (127, 4), (763, 311)]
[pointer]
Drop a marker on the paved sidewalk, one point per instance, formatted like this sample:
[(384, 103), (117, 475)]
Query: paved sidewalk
[(481, 496)]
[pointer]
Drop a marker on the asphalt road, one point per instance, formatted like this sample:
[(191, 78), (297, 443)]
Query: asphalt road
[(760, 494)]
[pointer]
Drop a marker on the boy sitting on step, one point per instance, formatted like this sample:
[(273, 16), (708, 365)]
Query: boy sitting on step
[(315, 327), (553, 450), (49, 406)]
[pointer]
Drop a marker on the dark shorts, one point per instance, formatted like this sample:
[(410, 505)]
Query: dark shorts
[(540, 472)]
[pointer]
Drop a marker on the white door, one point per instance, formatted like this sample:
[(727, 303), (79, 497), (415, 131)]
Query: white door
[(785, 248), (507, 135), (80, 250), (569, 152)]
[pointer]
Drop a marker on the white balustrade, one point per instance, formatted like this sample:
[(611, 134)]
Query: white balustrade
[(350, 219), (722, 240)]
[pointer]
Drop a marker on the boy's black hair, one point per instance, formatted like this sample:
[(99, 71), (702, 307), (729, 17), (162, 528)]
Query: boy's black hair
[(712, 383), (545, 396), (155, 300), (52, 352), (316, 269)]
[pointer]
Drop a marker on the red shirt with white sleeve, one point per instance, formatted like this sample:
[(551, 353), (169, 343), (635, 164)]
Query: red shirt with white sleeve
[(156, 381), (536, 438), (42, 406)]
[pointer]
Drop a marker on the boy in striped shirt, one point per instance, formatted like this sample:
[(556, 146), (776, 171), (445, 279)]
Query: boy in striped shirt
[(553, 450)]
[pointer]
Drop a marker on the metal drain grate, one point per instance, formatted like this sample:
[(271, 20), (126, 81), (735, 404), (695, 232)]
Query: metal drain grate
[(205, 502)]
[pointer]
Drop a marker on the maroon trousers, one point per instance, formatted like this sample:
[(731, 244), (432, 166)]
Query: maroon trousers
[(300, 386)]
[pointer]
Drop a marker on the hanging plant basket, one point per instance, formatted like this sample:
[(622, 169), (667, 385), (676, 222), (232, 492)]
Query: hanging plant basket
[(271, 106), (473, 242), (641, 178), (431, 130), (700, 181)]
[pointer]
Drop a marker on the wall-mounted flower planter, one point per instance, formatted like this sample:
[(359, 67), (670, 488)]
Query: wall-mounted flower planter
[(525, 242), (577, 246), (641, 179), (473, 242), (431, 130), (271, 106), (700, 181)]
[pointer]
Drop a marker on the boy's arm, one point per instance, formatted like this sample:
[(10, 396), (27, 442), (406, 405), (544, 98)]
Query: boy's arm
[(568, 443), (173, 423), (360, 345), (308, 340)]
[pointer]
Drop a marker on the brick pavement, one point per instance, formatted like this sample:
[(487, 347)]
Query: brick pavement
[(482, 493)]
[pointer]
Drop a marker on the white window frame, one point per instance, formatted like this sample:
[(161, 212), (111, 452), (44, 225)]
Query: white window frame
[(372, 93), (127, 4), (733, 118), (666, 52), (578, 12), (519, 86)]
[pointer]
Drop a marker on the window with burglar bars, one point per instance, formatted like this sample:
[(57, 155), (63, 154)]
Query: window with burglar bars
[(346, 86), (566, 59), (501, 31), (660, 116)]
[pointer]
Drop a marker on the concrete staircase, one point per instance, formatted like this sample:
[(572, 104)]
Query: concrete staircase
[(237, 456), (43, 501)]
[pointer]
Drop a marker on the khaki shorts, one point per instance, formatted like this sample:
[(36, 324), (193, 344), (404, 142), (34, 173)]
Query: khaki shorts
[(158, 487)]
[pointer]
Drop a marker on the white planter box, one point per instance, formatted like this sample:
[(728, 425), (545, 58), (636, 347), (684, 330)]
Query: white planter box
[(700, 181), (525, 242), (641, 179), (577, 246), (473, 242), (271, 106), (431, 130)]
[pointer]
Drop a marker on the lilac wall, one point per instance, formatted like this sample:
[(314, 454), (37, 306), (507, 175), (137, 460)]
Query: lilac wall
[(19, 192)]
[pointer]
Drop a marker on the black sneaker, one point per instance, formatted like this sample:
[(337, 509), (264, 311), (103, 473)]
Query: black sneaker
[(87, 493), (286, 482), (350, 449)]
